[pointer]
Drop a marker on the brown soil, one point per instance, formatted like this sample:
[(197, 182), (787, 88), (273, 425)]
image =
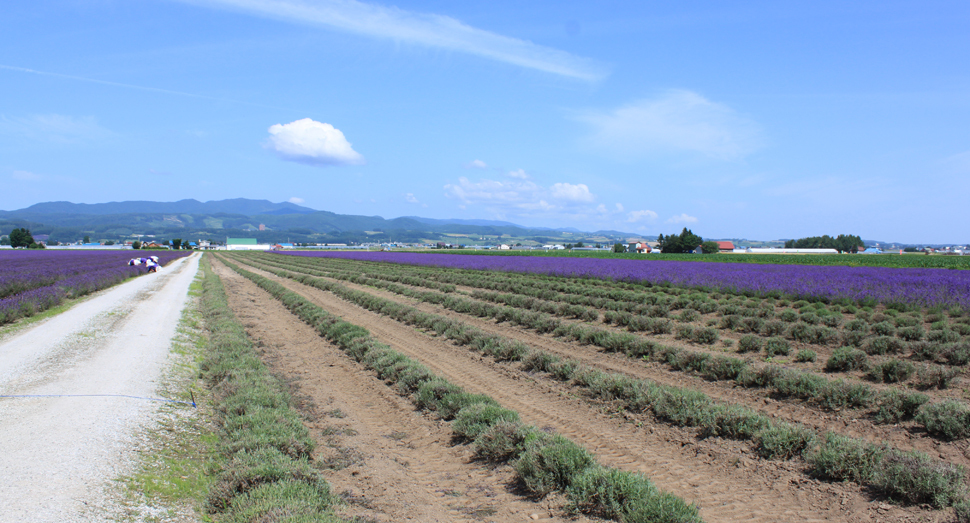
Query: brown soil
[(906, 436), (723, 477), (387, 460)]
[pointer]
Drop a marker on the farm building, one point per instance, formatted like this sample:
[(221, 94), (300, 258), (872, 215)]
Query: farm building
[(639, 247), (771, 250), (245, 244), (725, 246)]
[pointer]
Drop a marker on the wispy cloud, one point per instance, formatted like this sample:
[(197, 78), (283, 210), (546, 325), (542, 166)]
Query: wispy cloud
[(523, 197), (27, 176), (297, 200), (311, 142), (682, 218), (476, 164), (130, 86), (640, 216), (432, 30), (56, 128), (676, 122)]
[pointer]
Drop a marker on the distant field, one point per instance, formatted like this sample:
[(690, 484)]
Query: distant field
[(920, 261)]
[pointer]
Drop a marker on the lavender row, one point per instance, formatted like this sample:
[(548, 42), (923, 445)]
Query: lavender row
[(90, 272), (912, 287), (23, 270)]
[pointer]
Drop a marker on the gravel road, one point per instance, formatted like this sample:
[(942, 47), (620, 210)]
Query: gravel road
[(59, 454)]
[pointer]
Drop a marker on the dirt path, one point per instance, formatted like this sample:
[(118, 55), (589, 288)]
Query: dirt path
[(60, 453), (721, 476), (397, 464)]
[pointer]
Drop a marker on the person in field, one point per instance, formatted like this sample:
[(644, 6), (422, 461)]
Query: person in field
[(151, 263)]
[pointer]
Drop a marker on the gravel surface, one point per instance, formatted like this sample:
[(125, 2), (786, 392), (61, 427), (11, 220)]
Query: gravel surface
[(59, 454)]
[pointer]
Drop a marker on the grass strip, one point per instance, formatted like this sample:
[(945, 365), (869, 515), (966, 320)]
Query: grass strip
[(685, 407), (544, 462), (268, 474)]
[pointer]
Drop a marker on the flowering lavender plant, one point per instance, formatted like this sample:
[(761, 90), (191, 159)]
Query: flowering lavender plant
[(916, 287)]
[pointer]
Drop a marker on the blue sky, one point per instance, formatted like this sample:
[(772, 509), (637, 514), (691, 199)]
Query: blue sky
[(758, 120)]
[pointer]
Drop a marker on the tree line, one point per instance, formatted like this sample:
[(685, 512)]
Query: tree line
[(844, 243)]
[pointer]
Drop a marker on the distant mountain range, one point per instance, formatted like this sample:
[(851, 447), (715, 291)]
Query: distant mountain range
[(282, 221)]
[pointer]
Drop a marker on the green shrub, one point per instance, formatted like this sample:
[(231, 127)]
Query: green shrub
[(688, 315), (724, 368), (840, 394), (504, 441), (957, 354), (788, 316), (892, 371), (853, 338), (911, 333), (798, 384), (684, 332), (451, 404), (883, 345), (925, 350), (802, 332), (548, 465), (962, 511), (247, 470), (809, 317), (430, 393), (895, 405), (949, 419), (477, 418), (705, 336), (774, 328), (857, 325), (846, 359), (749, 343), (806, 355), (297, 500), (260, 428), (842, 458), (783, 441), (777, 347), (929, 376), (943, 336), (735, 422), (883, 328), (628, 497), (914, 477)]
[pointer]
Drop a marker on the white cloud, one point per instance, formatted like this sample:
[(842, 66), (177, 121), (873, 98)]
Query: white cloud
[(26, 176), (476, 164), (430, 30), (311, 142), (296, 200), (676, 122), (410, 198), (619, 207), (573, 193), (57, 128), (519, 173), (682, 218), (641, 216)]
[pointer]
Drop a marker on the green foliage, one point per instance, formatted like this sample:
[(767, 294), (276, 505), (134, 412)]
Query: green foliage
[(892, 371), (783, 441), (687, 241), (21, 238), (548, 465), (628, 497), (949, 419), (777, 347), (710, 247), (806, 355), (475, 419), (914, 477), (895, 405), (844, 243), (846, 359), (842, 458)]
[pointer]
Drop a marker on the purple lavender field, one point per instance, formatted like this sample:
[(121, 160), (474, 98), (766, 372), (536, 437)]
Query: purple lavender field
[(32, 281), (919, 287)]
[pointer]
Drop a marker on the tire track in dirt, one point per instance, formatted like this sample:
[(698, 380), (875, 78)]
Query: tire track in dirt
[(745, 490), (402, 465)]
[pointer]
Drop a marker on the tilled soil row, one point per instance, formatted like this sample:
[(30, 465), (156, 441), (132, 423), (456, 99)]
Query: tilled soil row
[(823, 351), (722, 476), (906, 436), (388, 461)]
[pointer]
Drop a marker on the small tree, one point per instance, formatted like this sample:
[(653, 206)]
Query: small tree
[(176, 243), (20, 238), (87, 239), (710, 248), (4, 240), (618, 247), (136, 245)]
